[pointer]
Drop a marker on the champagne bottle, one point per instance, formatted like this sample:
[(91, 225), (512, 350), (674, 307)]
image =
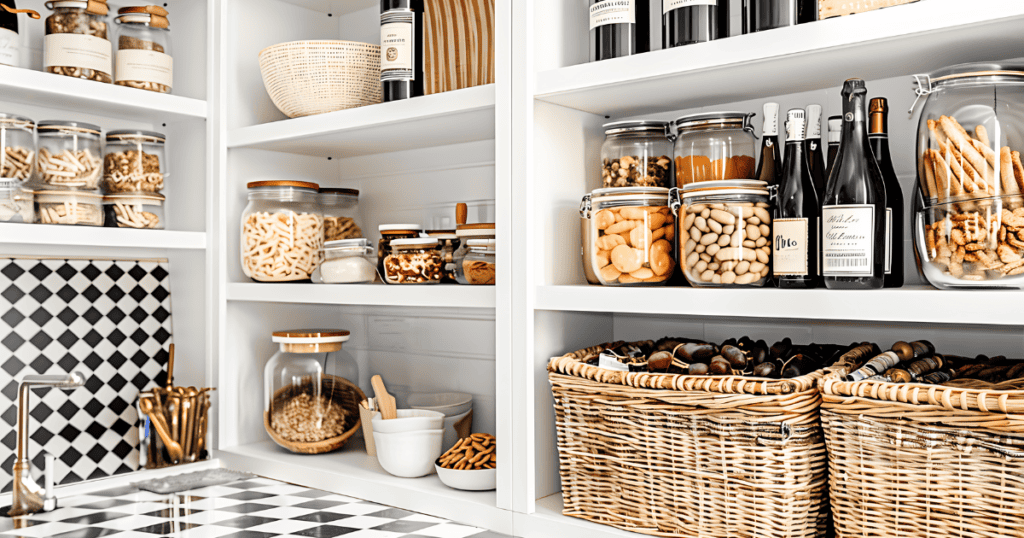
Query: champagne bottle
[(401, 49), (853, 211), (795, 228), (835, 135), (769, 169), (812, 147), (878, 134)]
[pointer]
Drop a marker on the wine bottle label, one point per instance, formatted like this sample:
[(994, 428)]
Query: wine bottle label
[(670, 5), (813, 121), (77, 50), (789, 247), (397, 45), (612, 12), (888, 241), (771, 119), (848, 240), (10, 50)]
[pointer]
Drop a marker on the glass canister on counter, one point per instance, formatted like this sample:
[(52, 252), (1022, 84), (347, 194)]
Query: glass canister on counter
[(448, 243), (15, 202), (725, 232), (144, 58), (390, 232), (134, 161), (477, 267), (714, 146), (69, 207), (282, 231), (134, 210), (627, 236), (69, 155), (18, 140), (413, 261), (636, 154), (340, 207), (76, 42), (348, 261)]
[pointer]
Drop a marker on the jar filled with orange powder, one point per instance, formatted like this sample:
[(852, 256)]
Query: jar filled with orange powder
[(714, 146)]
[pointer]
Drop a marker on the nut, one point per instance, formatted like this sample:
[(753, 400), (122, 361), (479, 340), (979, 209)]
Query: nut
[(736, 249), (637, 248), (637, 171)]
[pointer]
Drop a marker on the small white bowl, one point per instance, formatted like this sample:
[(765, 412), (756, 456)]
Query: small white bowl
[(449, 403), (450, 435), (482, 480), (409, 420), (408, 454)]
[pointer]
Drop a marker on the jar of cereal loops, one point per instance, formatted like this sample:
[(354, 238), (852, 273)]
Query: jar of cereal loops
[(76, 42), (134, 161), (282, 231), (627, 236), (143, 49)]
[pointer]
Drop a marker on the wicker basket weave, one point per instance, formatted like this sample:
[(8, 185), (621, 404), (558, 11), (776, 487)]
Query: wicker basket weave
[(305, 78), (924, 460), (342, 392), (672, 455)]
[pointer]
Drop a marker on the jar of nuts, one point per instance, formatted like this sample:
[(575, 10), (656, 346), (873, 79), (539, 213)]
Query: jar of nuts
[(340, 207), (69, 156), (18, 141), (144, 49), (714, 146), (134, 161), (414, 261), (725, 231), (76, 42), (282, 231), (390, 232), (134, 210), (636, 154), (627, 236)]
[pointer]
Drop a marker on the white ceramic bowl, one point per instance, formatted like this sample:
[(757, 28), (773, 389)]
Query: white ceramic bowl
[(449, 403), (482, 480), (450, 435), (409, 420), (408, 454)]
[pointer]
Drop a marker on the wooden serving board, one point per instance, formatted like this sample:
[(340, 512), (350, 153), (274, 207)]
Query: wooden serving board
[(839, 8), (459, 44)]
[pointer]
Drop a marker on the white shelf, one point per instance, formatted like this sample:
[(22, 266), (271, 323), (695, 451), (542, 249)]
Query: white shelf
[(77, 95), (906, 305), (438, 295), (352, 472), (548, 522), (913, 38), (433, 120), (88, 236), (335, 7)]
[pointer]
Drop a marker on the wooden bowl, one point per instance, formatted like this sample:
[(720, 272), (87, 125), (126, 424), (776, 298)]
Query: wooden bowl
[(344, 393)]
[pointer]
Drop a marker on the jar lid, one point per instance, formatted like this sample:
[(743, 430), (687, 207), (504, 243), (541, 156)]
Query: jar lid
[(13, 120), (731, 186), (59, 126), (441, 234), (646, 126), (154, 16), (714, 120), (147, 198), (399, 228), (347, 244), (310, 336), (629, 193), (132, 134), (71, 195), (475, 230), (482, 243), (340, 192), (990, 72), (285, 183), (415, 242)]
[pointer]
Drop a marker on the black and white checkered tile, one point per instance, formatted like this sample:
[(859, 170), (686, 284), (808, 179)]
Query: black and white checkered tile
[(256, 508), (110, 320)]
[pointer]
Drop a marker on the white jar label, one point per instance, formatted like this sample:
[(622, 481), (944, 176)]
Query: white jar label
[(10, 48), (397, 48), (669, 5), (76, 50), (145, 66), (612, 12), (789, 247), (888, 241), (848, 240)]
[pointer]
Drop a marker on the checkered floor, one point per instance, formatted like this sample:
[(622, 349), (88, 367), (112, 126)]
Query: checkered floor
[(256, 508)]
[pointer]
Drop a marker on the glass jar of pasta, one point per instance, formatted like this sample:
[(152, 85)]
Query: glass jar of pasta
[(144, 49), (76, 42), (282, 231), (69, 156)]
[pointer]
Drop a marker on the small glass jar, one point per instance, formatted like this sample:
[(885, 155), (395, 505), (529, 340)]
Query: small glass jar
[(340, 207), (144, 49), (282, 231), (727, 228), (413, 261), (15, 202), (627, 236), (448, 243), (349, 261), (390, 232), (134, 210), (636, 154), (18, 138), (619, 28), (477, 267), (69, 207), (69, 156), (715, 146), (76, 42), (134, 161)]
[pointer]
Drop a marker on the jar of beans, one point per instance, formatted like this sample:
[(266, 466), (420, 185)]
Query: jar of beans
[(76, 42)]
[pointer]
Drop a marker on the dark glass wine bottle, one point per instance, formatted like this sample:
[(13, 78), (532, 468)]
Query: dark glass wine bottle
[(812, 147), (878, 135), (769, 168), (771, 14), (9, 49), (401, 49), (853, 211), (619, 28), (835, 136), (808, 11), (687, 21), (795, 228)]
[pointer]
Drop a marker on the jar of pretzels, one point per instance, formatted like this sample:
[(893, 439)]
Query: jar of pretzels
[(69, 156), (282, 231), (340, 208), (627, 236), (144, 49), (134, 161), (76, 42), (18, 141)]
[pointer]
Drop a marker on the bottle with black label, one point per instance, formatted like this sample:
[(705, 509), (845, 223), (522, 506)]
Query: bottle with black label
[(853, 211), (769, 168), (878, 134), (812, 147), (694, 21), (401, 49), (795, 228), (835, 136), (619, 28)]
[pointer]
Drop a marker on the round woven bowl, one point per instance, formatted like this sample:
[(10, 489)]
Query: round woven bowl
[(305, 78), (345, 394)]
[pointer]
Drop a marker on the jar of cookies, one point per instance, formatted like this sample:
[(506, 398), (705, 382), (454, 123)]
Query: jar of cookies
[(134, 161), (282, 231), (69, 155), (340, 207), (143, 49), (714, 146), (477, 266), (76, 42), (627, 236), (725, 231), (636, 154), (18, 143), (413, 261)]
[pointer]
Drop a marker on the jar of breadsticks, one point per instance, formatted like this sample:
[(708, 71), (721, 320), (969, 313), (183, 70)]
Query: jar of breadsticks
[(282, 231), (134, 161), (69, 156), (143, 49), (340, 208), (76, 42), (18, 143), (627, 236), (69, 207), (134, 210)]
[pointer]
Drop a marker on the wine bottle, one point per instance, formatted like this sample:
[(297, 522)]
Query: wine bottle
[(812, 147), (853, 212), (878, 134), (769, 168), (10, 53), (694, 21), (619, 28), (401, 49), (835, 135), (795, 228)]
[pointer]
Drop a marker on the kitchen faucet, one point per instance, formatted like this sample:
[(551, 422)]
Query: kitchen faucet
[(28, 497)]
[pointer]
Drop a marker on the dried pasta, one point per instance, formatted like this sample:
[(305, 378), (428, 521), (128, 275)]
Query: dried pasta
[(282, 246)]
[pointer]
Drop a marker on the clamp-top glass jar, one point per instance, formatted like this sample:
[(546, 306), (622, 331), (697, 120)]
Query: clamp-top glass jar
[(636, 154), (76, 42), (627, 236), (282, 231), (714, 146), (134, 161), (69, 155), (144, 49), (18, 146), (340, 207)]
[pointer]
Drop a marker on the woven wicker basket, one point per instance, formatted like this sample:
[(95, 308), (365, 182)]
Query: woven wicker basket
[(924, 460), (305, 78), (672, 455), (341, 392)]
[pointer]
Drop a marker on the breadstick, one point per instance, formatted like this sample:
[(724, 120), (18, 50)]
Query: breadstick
[(941, 175), (1006, 172), (964, 145), (989, 154), (936, 130), (943, 169), (982, 134), (1018, 169), (929, 175), (954, 126)]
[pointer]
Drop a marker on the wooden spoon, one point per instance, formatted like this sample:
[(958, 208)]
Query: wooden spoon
[(385, 401)]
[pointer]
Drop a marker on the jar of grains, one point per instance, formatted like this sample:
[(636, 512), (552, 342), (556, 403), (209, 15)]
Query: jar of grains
[(636, 154), (69, 155), (18, 142), (143, 49), (134, 161), (282, 231), (339, 207), (76, 42)]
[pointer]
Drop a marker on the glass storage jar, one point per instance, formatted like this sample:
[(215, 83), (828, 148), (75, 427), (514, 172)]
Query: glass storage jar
[(18, 140), (144, 49), (725, 231), (134, 210), (636, 154), (448, 243), (76, 42), (340, 207), (134, 161), (69, 155), (69, 207), (627, 236), (304, 402), (15, 202), (714, 146), (413, 261), (348, 261), (390, 232), (282, 231), (477, 267)]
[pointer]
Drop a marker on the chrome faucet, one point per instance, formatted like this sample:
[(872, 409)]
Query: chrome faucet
[(28, 497)]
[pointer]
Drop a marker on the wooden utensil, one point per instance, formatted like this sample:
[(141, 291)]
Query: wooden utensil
[(385, 401), (170, 366), (461, 213)]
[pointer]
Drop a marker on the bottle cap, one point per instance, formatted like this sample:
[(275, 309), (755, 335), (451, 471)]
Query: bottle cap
[(795, 125)]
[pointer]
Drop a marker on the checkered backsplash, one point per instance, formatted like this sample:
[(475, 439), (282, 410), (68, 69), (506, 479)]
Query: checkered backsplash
[(109, 320)]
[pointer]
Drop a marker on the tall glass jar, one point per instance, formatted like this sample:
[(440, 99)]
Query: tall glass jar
[(76, 43), (69, 155), (627, 236), (714, 146), (636, 154), (389, 233), (340, 207), (282, 231), (477, 267), (144, 49), (134, 161), (18, 141)]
